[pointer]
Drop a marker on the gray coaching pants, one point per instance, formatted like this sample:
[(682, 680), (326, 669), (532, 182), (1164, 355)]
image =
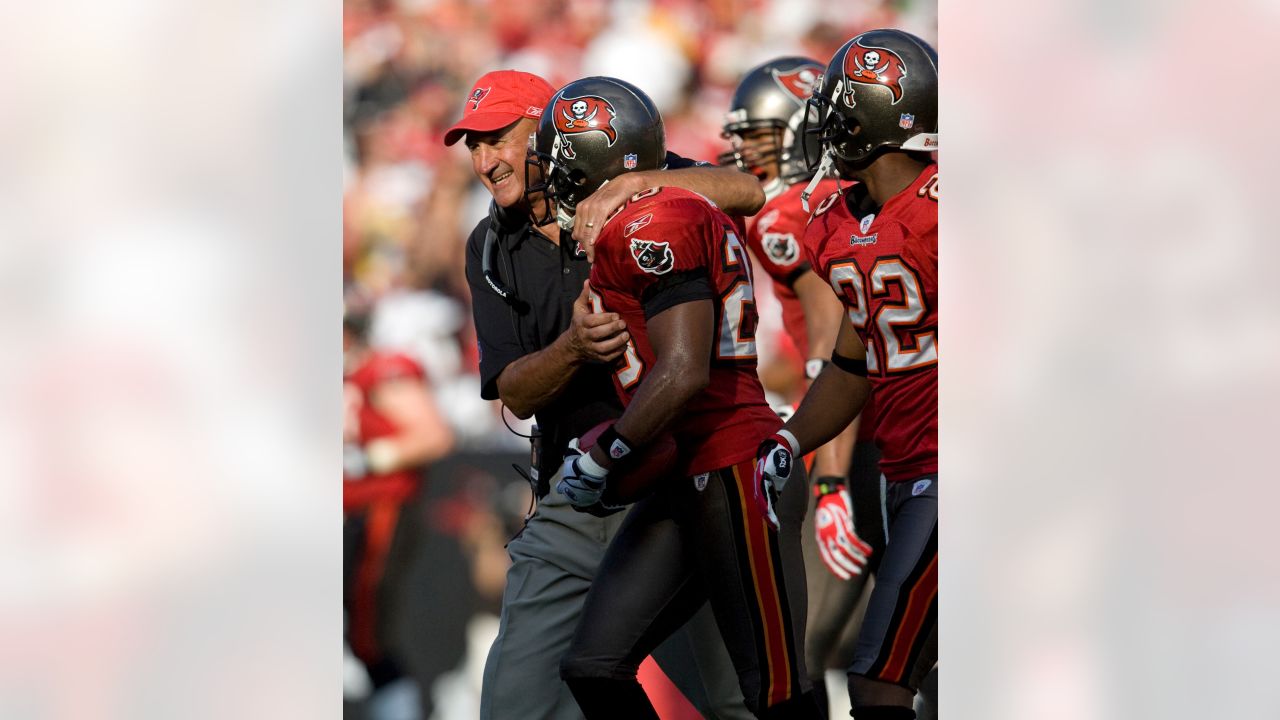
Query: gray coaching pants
[(552, 563)]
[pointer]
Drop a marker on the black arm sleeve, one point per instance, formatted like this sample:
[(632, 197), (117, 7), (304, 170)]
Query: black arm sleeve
[(794, 275), (675, 289), (495, 322), (677, 162)]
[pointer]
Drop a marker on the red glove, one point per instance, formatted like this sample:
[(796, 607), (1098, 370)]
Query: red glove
[(844, 553)]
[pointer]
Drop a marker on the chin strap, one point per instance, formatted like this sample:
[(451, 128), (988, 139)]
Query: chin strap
[(564, 219), (823, 168), (773, 188)]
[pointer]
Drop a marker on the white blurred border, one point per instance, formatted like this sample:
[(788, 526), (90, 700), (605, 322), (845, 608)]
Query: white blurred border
[(1111, 354), (170, 208)]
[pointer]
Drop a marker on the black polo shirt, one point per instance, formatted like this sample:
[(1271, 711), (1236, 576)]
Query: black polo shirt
[(547, 278)]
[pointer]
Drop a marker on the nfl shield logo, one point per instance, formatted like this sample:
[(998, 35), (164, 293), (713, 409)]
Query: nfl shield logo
[(629, 161), (906, 121)]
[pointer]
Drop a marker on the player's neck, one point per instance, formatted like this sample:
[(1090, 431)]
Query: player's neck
[(550, 231), (890, 174), (772, 187)]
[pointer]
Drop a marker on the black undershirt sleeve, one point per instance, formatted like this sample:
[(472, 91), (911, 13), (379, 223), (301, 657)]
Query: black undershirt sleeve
[(676, 288), (794, 275)]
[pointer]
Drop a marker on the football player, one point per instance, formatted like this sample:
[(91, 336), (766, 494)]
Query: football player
[(671, 265), (876, 243), (764, 124)]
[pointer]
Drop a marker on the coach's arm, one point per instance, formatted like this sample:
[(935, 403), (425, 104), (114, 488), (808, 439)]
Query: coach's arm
[(735, 192), (529, 383)]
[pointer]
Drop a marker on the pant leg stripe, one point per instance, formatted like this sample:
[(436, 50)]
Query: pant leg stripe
[(919, 602), (767, 596), (380, 526)]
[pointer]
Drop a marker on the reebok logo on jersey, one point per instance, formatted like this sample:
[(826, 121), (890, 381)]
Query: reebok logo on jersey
[(856, 239), (476, 96), (920, 486), (653, 257), (636, 224)]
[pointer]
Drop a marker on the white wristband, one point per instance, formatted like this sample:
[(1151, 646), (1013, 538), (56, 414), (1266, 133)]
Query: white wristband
[(382, 455), (588, 465), (791, 440)]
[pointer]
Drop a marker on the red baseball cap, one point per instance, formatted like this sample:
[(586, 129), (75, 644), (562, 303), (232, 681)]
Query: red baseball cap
[(500, 98)]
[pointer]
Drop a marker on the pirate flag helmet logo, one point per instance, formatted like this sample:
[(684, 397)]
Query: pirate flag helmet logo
[(799, 81), (874, 66), (589, 113)]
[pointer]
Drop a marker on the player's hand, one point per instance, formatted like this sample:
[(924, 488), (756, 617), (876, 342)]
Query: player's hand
[(590, 215), (582, 480), (774, 458), (593, 336), (844, 553)]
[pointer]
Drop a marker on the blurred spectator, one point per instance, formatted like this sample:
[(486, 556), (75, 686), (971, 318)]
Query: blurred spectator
[(391, 432)]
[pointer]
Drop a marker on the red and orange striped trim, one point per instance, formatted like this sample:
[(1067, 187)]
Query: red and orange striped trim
[(764, 578)]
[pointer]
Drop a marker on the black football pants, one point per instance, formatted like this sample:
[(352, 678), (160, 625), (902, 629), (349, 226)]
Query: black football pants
[(698, 539)]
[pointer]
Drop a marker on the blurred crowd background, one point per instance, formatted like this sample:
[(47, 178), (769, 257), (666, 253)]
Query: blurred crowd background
[(409, 204)]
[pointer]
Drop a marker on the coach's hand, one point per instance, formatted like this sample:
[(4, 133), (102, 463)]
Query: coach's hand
[(595, 336), (844, 553), (582, 480), (774, 458), (590, 215)]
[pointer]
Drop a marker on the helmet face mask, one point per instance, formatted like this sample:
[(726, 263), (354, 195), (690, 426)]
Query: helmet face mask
[(591, 131), (772, 96), (879, 93), (537, 190), (755, 148)]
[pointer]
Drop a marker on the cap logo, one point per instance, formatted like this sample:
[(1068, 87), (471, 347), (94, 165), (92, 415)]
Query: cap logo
[(799, 82), (476, 96), (873, 66), (533, 111), (583, 115)]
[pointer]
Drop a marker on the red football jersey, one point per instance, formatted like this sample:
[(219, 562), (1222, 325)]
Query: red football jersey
[(884, 267), (661, 234), (377, 368), (773, 236)]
